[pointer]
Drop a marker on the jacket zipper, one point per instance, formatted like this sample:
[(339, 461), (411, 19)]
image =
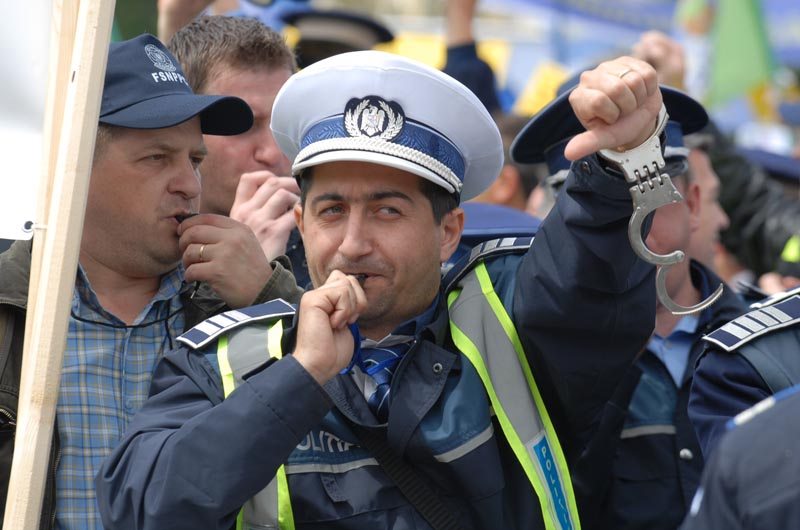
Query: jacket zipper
[(12, 420)]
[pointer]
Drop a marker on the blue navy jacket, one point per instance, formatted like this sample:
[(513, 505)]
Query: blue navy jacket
[(726, 383), (584, 306), (658, 463), (751, 480)]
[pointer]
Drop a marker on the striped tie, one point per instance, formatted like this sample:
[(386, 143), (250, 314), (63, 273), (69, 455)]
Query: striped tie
[(380, 363)]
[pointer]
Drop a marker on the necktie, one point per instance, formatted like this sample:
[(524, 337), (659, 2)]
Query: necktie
[(380, 363)]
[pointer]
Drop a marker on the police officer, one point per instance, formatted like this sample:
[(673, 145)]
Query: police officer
[(651, 452), (747, 360), (754, 356), (389, 381)]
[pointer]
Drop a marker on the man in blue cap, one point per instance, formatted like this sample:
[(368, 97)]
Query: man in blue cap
[(141, 263), (648, 448), (401, 402)]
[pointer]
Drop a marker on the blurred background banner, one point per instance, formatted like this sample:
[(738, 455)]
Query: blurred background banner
[(743, 53), (24, 37), (742, 58), (637, 14)]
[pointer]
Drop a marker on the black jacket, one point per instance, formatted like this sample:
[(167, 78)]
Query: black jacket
[(15, 266)]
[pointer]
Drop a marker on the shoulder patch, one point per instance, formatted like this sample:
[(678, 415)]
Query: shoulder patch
[(213, 327), (494, 247), (765, 319)]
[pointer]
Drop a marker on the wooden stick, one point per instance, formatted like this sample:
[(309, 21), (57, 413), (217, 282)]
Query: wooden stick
[(62, 33), (43, 353)]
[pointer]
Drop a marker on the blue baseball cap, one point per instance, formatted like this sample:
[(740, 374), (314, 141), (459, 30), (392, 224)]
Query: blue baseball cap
[(544, 138), (145, 89)]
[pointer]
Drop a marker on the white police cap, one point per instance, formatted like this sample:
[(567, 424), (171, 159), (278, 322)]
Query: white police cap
[(378, 107)]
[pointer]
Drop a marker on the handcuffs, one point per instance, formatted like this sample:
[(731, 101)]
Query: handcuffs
[(642, 166)]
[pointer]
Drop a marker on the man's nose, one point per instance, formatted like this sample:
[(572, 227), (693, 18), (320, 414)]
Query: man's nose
[(267, 152), (356, 241), (186, 181)]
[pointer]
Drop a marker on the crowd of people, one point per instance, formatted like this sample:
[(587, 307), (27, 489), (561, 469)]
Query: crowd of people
[(332, 287)]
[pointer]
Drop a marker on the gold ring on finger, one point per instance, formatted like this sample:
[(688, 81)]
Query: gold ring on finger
[(624, 73), (200, 254)]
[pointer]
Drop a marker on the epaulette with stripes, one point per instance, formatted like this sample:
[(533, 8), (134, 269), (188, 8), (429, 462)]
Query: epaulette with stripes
[(213, 327), (492, 248), (774, 313)]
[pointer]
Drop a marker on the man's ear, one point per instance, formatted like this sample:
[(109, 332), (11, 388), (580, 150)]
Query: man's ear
[(298, 216), (694, 204), (451, 226)]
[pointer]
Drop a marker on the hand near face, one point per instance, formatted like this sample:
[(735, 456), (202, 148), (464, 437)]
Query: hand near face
[(324, 342), (225, 254), (265, 202), (618, 104)]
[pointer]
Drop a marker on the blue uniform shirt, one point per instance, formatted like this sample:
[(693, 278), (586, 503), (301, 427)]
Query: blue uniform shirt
[(674, 350)]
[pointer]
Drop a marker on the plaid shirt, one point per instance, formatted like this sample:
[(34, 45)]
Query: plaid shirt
[(105, 380)]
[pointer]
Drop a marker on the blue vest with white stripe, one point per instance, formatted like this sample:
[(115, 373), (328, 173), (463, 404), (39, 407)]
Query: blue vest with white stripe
[(768, 338)]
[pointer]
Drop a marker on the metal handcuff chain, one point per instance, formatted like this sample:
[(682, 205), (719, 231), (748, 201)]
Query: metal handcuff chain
[(642, 166)]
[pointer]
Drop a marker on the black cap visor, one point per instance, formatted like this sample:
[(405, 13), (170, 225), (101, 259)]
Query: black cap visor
[(219, 115)]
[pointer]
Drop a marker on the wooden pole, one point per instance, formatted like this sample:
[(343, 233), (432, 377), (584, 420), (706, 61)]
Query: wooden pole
[(48, 321), (62, 33)]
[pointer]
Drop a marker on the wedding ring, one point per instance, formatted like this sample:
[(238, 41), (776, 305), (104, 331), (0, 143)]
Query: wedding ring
[(626, 72), (200, 255)]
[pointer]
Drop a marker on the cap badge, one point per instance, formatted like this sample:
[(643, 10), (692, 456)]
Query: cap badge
[(160, 59), (373, 117)]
